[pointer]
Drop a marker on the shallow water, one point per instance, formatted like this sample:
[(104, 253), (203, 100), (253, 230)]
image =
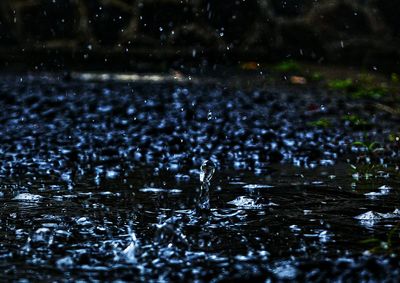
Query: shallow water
[(100, 181)]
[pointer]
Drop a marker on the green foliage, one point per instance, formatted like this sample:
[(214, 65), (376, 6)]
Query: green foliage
[(390, 246), (365, 171), (395, 78), (321, 123), (394, 137), (340, 84), (315, 77), (355, 120), (369, 146), (288, 66), (364, 88), (371, 93)]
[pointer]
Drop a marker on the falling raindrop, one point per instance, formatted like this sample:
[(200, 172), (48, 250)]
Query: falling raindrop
[(207, 171)]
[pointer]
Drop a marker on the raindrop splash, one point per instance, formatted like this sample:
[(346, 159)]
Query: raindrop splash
[(207, 171), (130, 251)]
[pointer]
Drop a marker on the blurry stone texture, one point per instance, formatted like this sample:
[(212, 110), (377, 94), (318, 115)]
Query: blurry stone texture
[(362, 32)]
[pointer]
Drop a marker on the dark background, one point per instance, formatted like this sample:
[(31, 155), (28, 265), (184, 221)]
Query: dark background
[(158, 34)]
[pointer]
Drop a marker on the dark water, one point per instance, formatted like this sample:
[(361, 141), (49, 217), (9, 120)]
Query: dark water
[(99, 181)]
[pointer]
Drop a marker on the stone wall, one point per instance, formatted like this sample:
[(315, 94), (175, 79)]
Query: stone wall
[(58, 32)]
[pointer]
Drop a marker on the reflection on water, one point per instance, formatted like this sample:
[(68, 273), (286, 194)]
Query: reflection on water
[(124, 229), (100, 181)]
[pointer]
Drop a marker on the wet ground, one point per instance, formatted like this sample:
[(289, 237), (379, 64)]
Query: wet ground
[(100, 179)]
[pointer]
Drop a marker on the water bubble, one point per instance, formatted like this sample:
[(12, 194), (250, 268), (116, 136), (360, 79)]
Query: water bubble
[(207, 171)]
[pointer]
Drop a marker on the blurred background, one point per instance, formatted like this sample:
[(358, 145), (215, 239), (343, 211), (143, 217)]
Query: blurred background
[(126, 35)]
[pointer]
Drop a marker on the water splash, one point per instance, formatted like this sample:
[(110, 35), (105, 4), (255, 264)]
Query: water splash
[(383, 191), (207, 171), (170, 232), (130, 251), (246, 202)]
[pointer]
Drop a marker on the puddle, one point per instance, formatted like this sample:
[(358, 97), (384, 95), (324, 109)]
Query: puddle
[(103, 181)]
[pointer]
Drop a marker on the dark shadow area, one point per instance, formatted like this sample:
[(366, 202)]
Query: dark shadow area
[(124, 35)]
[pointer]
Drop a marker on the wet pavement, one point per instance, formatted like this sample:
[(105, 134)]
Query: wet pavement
[(100, 180)]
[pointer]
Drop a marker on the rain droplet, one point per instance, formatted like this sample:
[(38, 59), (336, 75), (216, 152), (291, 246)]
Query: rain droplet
[(207, 171)]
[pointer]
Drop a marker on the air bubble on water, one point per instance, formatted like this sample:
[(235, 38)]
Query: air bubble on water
[(207, 170)]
